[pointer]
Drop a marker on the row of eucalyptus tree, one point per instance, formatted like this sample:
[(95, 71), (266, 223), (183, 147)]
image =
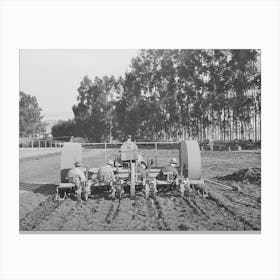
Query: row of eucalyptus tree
[(174, 94)]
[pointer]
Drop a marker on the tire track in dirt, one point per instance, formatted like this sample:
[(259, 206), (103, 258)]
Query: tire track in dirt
[(156, 213), (68, 216), (141, 218), (193, 204), (76, 216), (117, 211), (113, 212), (227, 206), (152, 215), (65, 212), (180, 213), (161, 220), (90, 216), (34, 218), (197, 213), (218, 218), (242, 201), (133, 215), (193, 214)]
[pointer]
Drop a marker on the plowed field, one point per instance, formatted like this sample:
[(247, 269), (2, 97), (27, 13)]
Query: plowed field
[(223, 210)]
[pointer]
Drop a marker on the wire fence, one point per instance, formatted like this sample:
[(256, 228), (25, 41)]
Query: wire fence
[(96, 153), (149, 150), (215, 146), (34, 143)]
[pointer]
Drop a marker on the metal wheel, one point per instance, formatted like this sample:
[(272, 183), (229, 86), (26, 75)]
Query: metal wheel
[(190, 160)]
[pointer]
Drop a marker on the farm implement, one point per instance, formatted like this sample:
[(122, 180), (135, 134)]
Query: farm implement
[(128, 177)]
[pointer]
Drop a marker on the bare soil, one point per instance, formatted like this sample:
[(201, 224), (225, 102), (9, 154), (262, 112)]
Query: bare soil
[(223, 210)]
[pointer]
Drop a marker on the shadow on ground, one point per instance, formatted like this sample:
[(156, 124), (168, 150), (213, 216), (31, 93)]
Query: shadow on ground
[(44, 189)]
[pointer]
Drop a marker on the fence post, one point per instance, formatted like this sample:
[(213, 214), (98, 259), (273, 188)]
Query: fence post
[(45, 143), (32, 143), (39, 144), (132, 175), (105, 152)]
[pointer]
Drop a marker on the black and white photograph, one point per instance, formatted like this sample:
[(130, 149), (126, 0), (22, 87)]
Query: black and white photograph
[(140, 140)]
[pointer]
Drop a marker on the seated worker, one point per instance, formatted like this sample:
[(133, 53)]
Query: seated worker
[(140, 158), (77, 176), (171, 168), (105, 174), (142, 169)]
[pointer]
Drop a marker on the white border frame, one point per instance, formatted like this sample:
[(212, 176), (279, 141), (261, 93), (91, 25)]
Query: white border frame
[(156, 24)]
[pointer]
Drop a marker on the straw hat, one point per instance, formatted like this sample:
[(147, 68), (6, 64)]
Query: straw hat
[(78, 164), (144, 163)]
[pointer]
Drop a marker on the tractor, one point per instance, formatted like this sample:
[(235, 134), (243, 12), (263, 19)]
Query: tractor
[(125, 167)]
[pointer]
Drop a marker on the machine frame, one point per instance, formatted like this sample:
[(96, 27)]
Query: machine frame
[(189, 173)]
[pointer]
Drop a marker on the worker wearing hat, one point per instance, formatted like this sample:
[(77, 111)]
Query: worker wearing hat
[(170, 168), (105, 173), (77, 176), (128, 138)]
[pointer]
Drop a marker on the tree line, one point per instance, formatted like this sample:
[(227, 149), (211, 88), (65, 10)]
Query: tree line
[(30, 118), (170, 95)]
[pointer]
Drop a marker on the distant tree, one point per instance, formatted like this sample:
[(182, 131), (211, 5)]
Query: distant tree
[(175, 94), (94, 111), (30, 118), (64, 128)]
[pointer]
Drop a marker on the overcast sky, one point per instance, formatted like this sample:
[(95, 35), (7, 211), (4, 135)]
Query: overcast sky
[(54, 76)]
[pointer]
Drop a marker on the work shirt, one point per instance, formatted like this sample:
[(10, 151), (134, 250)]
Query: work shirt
[(169, 169), (129, 151), (76, 173), (105, 173), (142, 171)]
